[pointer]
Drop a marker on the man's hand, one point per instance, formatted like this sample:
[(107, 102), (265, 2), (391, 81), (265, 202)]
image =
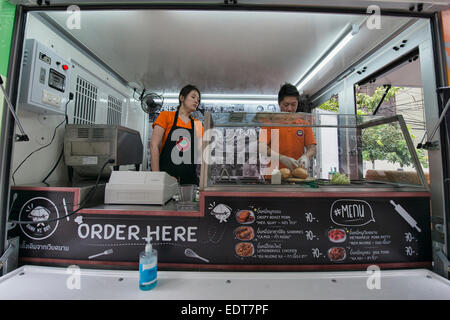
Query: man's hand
[(290, 163), (303, 161)]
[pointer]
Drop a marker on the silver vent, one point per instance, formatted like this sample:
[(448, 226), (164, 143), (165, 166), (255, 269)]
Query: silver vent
[(83, 133), (98, 133), (114, 115), (85, 102)]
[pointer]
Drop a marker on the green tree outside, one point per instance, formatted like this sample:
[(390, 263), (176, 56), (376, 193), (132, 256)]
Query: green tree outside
[(384, 142)]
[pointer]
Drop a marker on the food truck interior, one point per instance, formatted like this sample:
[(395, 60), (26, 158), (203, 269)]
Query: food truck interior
[(87, 82)]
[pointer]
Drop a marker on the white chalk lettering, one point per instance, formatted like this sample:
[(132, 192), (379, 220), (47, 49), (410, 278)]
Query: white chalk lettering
[(83, 234), (166, 233), (96, 230), (192, 234), (133, 234), (109, 231), (119, 231), (155, 233), (351, 211), (179, 233)]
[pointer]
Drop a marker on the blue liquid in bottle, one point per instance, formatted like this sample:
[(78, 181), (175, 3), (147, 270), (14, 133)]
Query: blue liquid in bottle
[(148, 267)]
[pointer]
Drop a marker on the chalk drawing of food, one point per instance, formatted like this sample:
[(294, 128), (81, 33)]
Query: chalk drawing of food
[(39, 214), (221, 212)]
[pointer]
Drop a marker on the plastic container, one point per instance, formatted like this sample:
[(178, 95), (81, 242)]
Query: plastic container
[(276, 176), (187, 193)]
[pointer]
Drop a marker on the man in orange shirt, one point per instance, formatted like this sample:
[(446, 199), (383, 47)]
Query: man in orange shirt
[(297, 145)]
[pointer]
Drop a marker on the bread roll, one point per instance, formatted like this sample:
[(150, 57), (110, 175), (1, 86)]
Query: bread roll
[(285, 173), (300, 173)]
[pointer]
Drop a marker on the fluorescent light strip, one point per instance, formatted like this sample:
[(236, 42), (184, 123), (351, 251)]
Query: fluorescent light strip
[(324, 61), (231, 101), (227, 96)]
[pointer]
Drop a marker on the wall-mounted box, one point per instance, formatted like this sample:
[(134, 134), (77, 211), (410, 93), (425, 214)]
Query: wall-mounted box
[(44, 83)]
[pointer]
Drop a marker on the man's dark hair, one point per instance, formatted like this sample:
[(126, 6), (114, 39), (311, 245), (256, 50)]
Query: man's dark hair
[(288, 90)]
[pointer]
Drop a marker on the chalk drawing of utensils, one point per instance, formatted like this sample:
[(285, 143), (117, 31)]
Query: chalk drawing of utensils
[(405, 215), (13, 200), (192, 254), (104, 253), (65, 209)]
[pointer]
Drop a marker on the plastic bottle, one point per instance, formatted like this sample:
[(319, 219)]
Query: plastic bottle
[(276, 176), (330, 173), (148, 265)]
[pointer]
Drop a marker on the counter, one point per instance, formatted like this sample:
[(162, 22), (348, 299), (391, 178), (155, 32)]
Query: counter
[(245, 223), (291, 231), (49, 283)]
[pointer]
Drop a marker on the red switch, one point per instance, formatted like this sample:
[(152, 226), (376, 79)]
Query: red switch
[(65, 67)]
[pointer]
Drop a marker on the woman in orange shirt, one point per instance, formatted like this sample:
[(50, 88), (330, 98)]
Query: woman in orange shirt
[(175, 135)]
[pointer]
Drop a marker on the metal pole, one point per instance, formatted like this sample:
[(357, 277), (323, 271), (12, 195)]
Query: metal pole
[(23, 137), (7, 125), (412, 151)]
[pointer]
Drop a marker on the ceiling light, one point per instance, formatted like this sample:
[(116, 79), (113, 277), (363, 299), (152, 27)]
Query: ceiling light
[(325, 58), (228, 101), (227, 98)]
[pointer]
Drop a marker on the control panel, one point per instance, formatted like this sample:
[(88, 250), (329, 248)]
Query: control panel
[(44, 83)]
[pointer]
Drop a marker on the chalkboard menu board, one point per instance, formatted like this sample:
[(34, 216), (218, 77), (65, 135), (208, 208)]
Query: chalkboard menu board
[(330, 232), (326, 230)]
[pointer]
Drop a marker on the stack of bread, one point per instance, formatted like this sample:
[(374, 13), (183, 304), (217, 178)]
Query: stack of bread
[(296, 173), (409, 177)]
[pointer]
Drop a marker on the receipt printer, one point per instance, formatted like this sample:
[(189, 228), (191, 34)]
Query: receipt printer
[(140, 187)]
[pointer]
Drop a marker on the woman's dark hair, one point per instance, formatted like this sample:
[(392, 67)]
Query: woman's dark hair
[(186, 90), (288, 90)]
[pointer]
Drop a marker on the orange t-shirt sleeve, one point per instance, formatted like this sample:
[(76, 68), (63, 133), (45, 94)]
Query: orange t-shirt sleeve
[(309, 136), (162, 120)]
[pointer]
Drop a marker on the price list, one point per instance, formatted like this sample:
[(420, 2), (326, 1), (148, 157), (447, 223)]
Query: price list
[(330, 231)]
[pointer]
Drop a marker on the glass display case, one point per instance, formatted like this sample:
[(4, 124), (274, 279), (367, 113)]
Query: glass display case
[(351, 152)]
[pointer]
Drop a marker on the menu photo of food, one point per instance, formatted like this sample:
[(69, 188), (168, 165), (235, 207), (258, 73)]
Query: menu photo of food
[(245, 216), (337, 235), (244, 233), (336, 254), (245, 249)]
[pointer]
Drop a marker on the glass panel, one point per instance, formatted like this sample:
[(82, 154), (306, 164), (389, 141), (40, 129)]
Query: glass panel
[(347, 150)]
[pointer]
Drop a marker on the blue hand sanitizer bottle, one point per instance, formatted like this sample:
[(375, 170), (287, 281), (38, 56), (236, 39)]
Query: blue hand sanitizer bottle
[(148, 262)]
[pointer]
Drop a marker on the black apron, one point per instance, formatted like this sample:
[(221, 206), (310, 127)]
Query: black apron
[(184, 172)]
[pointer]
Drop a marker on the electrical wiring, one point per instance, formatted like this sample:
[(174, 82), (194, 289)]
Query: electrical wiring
[(43, 147), (82, 206)]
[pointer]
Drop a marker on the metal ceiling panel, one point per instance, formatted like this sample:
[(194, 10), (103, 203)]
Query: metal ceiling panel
[(233, 52), (405, 6)]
